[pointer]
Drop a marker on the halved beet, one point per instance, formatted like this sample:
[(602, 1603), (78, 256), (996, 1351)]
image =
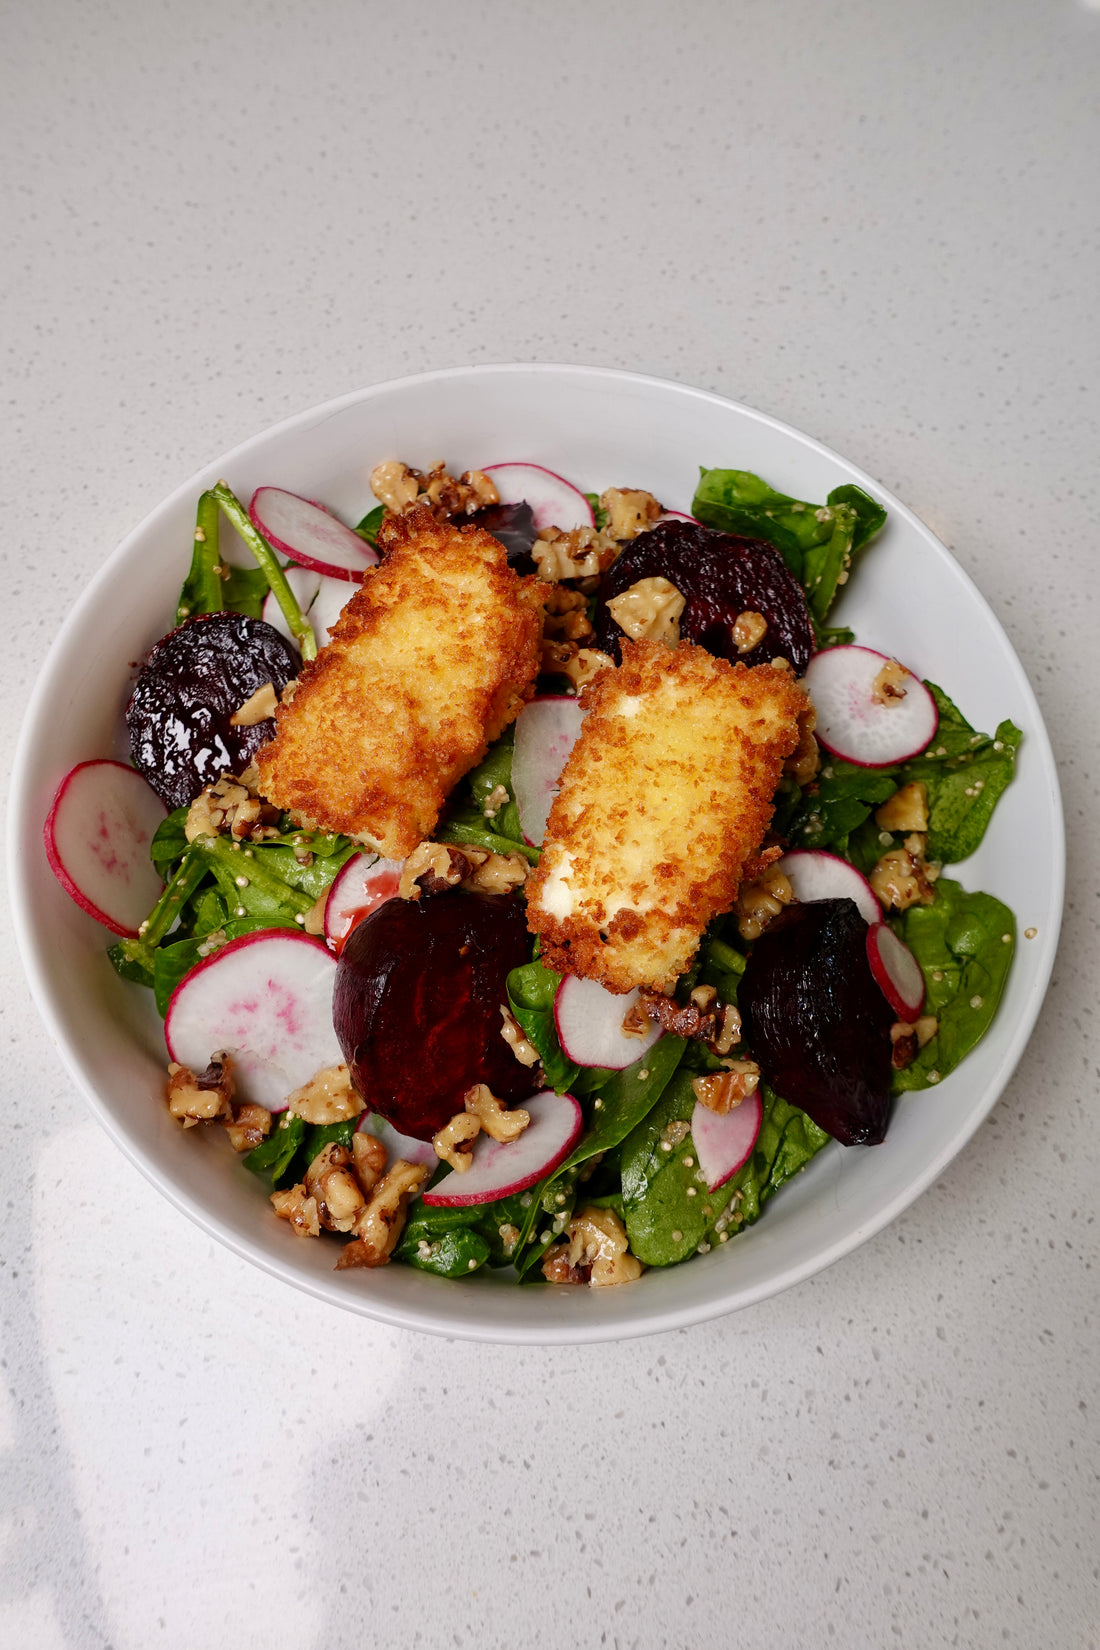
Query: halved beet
[(720, 577), (419, 989), (816, 1020), (188, 689)]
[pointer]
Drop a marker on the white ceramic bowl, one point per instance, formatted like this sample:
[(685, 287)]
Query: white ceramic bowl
[(599, 429)]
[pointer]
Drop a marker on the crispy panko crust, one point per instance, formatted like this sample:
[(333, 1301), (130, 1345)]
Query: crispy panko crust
[(665, 796), (429, 662)]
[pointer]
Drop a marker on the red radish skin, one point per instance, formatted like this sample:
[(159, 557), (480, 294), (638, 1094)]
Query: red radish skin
[(814, 874), (897, 972), (321, 599), (358, 888), (723, 1144), (399, 1147), (309, 534), (679, 515), (546, 731), (97, 837), (554, 501), (501, 1168), (267, 999), (589, 1022), (852, 723)]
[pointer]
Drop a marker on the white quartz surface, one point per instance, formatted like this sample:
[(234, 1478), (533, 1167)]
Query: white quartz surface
[(878, 223)]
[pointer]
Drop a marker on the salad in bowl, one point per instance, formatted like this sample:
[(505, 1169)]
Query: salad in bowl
[(531, 873)]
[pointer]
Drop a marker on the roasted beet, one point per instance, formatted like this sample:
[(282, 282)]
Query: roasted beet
[(417, 1005), (816, 1021), (720, 577), (512, 525), (187, 690)]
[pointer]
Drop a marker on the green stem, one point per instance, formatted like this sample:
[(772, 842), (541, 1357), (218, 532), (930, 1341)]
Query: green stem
[(265, 556), (227, 863), (203, 591)]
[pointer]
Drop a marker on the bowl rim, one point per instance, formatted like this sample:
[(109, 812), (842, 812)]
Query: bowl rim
[(643, 1322)]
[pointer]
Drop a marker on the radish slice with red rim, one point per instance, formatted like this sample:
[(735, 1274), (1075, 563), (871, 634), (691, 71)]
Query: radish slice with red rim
[(309, 535), (896, 971), (322, 599), (399, 1147), (856, 725), (724, 1143), (589, 1022), (97, 837), (266, 999), (500, 1168), (546, 731), (814, 874), (357, 889), (554, 501)]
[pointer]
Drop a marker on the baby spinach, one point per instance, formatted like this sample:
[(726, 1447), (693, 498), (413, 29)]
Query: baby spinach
[(965, 773), (531, 991), (272, 1158)]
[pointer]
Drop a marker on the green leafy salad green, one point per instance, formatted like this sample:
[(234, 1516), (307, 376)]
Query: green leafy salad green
[(636, 1155)]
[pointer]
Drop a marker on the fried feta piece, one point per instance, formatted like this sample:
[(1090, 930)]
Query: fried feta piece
[(429, 662), (665, 796)]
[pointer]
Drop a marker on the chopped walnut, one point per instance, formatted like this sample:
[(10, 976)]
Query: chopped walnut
[(328, 1097), (908, 1040), (761, 900), (260, 707), (495, 1119), (399, 487), (301, 1211), (512, 1032), (805, 760), (704, 1018), (577, 554), (313, 920), (630, 511), (636, 1022), (586, 663), (498, 873), (749, 630), (596, 1252), (906, 810), (229, 805), (204, 1098), (888, 686), (395, 485), (247, 1126), (381, 1222), (431, 868), (729, 1031), (903, 877), (454, 1144), (368, 1156), (721, 1091), (495, 801), (334, 1188), (649, 611)]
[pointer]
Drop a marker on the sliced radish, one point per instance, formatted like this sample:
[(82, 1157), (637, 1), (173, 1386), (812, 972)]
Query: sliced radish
[(398, 1145), (589, 1022), (896, 970), (309, 535), (321, 599), (853, 723), (501, 1168), (358, 888), (97, 836), (814, 874), (267, 999), (554, 501), (546, 731), (723, 1144)]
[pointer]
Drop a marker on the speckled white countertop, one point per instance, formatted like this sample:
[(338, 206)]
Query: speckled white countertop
[(879, 223)]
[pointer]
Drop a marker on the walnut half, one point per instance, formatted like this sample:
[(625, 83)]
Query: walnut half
[(596, 1252)]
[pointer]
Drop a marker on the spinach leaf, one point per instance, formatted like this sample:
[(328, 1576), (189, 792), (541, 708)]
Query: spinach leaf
[(169, 842), (172, 962), (839, 801), (964, 943), (495, 772), (599, 514), (466, 824), (272, 1157), (531, 991), (371, 522), (965, 773), (622, 1102), (452, 1253)]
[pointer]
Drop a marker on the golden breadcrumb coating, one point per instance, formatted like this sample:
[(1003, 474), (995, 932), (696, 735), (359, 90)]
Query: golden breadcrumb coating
[(665, 796), (429, 662)]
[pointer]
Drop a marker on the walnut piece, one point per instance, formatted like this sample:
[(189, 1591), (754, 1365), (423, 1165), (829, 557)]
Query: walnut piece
[(495, 1119), (454, 1143), (908, 1039), (230, 805), (704, 1018), (761, 900), (512, 1032), (903, 877), (368, 1156), (498, 873), (906, 810), (721, 1091), (204, 1098), (334, 1188), (381, 1222), (301, 1211), (328, 1097), (749, 630), (805, 760), (430, 868), (247, 1126), (649, 611), (400, 487), (596, 1252), (259, 707), (630, 511), (584, 664), (888, 686)]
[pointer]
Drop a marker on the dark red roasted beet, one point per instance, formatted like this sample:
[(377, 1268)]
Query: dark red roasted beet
[(720, 577), (417, 1005), (817, 1023), (189, 686)]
